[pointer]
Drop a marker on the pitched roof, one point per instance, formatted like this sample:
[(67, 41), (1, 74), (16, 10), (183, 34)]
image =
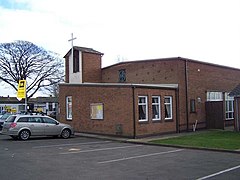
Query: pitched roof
[(84, 49), (236, 91)]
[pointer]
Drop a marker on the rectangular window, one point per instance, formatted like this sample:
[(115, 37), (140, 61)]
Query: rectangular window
[(214, 96), (142, 108), (229, 107), (69, 107), (75, 61), (168, 107), (156, 112), (97, 111), (192, 105), (50, 106)]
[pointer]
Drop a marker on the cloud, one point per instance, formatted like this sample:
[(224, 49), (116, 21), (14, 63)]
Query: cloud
[(137, 29)]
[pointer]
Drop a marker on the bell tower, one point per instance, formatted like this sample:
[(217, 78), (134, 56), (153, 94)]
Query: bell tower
[(83, 65)]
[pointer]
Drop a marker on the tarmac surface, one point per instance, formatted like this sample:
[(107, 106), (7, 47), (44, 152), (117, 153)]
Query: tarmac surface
[(88, 156), (147, 140)]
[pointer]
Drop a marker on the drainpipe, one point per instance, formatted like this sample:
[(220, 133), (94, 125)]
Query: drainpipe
[(134, 113), (237, 116), (186, 92), (177, 111)]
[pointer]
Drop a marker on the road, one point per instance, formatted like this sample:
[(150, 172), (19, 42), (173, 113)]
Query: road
[(89, 158)]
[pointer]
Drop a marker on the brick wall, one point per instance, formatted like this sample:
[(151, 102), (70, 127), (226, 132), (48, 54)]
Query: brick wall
[(67, 69), (118, 110), (91, 67), (202, 77)]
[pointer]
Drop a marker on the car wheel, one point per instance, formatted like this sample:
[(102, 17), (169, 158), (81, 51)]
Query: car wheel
[(24, 135), (66, 133)]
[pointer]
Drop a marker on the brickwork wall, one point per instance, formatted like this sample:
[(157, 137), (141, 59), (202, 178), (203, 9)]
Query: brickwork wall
[(91, 67), (154, 127), (118, 110), (206, 77), (67, 69), (202, 77), (162, 71)]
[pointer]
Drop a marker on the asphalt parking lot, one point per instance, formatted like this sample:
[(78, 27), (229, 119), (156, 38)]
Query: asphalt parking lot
[(89, 158)]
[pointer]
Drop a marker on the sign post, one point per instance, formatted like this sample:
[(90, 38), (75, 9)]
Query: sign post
[(21, 93)]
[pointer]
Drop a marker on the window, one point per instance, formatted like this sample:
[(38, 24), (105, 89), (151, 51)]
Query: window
[(23, 119), (229, 107), (214, 96), (168, 107), (192, 106), (49, 121), (142, 108), (75, 61), (122, 75), (50, 107), (34, 120), (97, 111), (69, 107), (156, 113)]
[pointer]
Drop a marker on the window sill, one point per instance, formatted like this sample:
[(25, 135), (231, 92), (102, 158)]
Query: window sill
[(168, 120), (143, 122)]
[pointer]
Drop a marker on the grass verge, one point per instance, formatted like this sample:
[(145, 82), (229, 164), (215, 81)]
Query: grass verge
[(214, 139)]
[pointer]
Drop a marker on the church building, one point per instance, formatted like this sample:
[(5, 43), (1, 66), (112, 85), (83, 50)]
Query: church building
[(146, 97)]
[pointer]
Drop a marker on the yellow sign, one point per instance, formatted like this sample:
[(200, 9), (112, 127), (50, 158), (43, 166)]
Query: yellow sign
[(21, 89)]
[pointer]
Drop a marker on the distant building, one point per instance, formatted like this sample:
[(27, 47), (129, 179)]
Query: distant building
[(47, 105), (147, 97), (11, 104)]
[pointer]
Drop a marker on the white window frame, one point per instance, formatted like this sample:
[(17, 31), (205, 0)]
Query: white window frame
[(159, 108), (168, 104), (229, 100), (68, 106), (145, 104), (214, 96)]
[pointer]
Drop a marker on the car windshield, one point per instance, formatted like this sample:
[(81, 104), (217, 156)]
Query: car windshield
[(5, 116), (11, 119)]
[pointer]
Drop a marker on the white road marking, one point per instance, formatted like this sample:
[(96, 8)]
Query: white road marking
[(141, 156), (102, 149), (73, 144), (218, 173)]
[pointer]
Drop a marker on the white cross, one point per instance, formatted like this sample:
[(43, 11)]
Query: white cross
[(72, 39)]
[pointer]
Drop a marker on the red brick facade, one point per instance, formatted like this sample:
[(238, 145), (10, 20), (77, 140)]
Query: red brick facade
[(120, 108), (193, 77), (194, 80)]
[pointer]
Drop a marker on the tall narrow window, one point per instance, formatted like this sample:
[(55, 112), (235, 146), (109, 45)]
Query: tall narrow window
[(229, 107), (69, 107), (192, 106), (75, 61), (168, 107), (142, 108), (156, 113)]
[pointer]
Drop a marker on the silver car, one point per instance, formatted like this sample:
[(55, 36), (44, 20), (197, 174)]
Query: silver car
[(23, 126)]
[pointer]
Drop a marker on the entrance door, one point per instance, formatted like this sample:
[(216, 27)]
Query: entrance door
[(215, 114)]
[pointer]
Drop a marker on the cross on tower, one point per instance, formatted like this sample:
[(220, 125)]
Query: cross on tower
[(72, 39)]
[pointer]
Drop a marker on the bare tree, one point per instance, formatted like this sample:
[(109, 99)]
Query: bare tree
[(23, 60)]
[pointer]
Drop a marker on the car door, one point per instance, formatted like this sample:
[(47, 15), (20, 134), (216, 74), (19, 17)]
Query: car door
[(51, 127), (36, 126)]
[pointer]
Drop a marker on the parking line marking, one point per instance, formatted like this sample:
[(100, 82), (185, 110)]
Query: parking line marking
[(218, 173), (141, 156), (59, 145), (102, 149)]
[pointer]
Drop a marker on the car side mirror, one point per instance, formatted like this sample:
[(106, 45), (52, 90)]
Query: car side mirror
[(57, 123)]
